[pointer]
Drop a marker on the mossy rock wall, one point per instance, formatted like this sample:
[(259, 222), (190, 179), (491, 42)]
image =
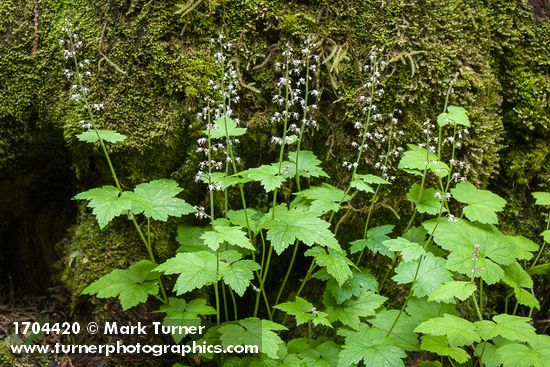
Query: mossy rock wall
[(151, 67)]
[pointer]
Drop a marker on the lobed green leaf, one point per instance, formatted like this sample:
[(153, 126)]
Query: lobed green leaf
[(296, 224), (156, 199), (482, 204), (454, 116), (131, 286), (253, 331), (107, 203), (458, 331), (453, 289), (541, 198), (110, 136)]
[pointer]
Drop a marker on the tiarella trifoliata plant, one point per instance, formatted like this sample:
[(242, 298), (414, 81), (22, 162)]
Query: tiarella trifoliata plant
[(440, 264)]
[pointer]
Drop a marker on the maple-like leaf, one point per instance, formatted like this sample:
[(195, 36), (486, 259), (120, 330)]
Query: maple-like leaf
[(107, 203), (131, 286), (296, 224), (156, 199), (431, 274), (482, 205), (110, 136)]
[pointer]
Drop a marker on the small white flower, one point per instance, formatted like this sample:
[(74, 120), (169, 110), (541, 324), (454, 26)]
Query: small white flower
[(452, 218)]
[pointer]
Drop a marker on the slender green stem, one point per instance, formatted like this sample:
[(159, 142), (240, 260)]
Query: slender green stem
[(217, 297), (281, 155), (543, 244), (428, 241), (390, 268), (365, 229), (257, 301), (355, 166), (449, 90), (506, 300), (150, 250), (288, 271), (375, 196), (422, 188), (234, 301), (302, 128), (212, 213), (481, 354), (478, 311), (269, 253), (224, 298), (306, 278), (283, 142), (361, 148), (481, 296), (84, 96)]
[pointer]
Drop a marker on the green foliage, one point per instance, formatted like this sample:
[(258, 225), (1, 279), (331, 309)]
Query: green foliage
[(535, 354), (514, 328), (370, 345), (424, 199), (308, 165), (350, 312), (482, 204), (181, 313), (374, 241), (440, 345), (253, 331), (400, 332), (314, 352), (304, 312), (236, 273), (324, 198), (359, 281), (107, 203), (454, 116), (458, 331), (296, 224), (542, 198), (268, 176), (179, 309), (363, 182), (235, 250), (131, 286), (221, 232), (409, 250), (460, 239), (110, 136), (194, 269), (156, 200), (200, 268), (226, 127), (417, 159), (430, 275), (335, 262), (453, 289)]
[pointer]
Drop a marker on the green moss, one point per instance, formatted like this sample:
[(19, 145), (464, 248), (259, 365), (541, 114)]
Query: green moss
[(91, 252), (7, 359)]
